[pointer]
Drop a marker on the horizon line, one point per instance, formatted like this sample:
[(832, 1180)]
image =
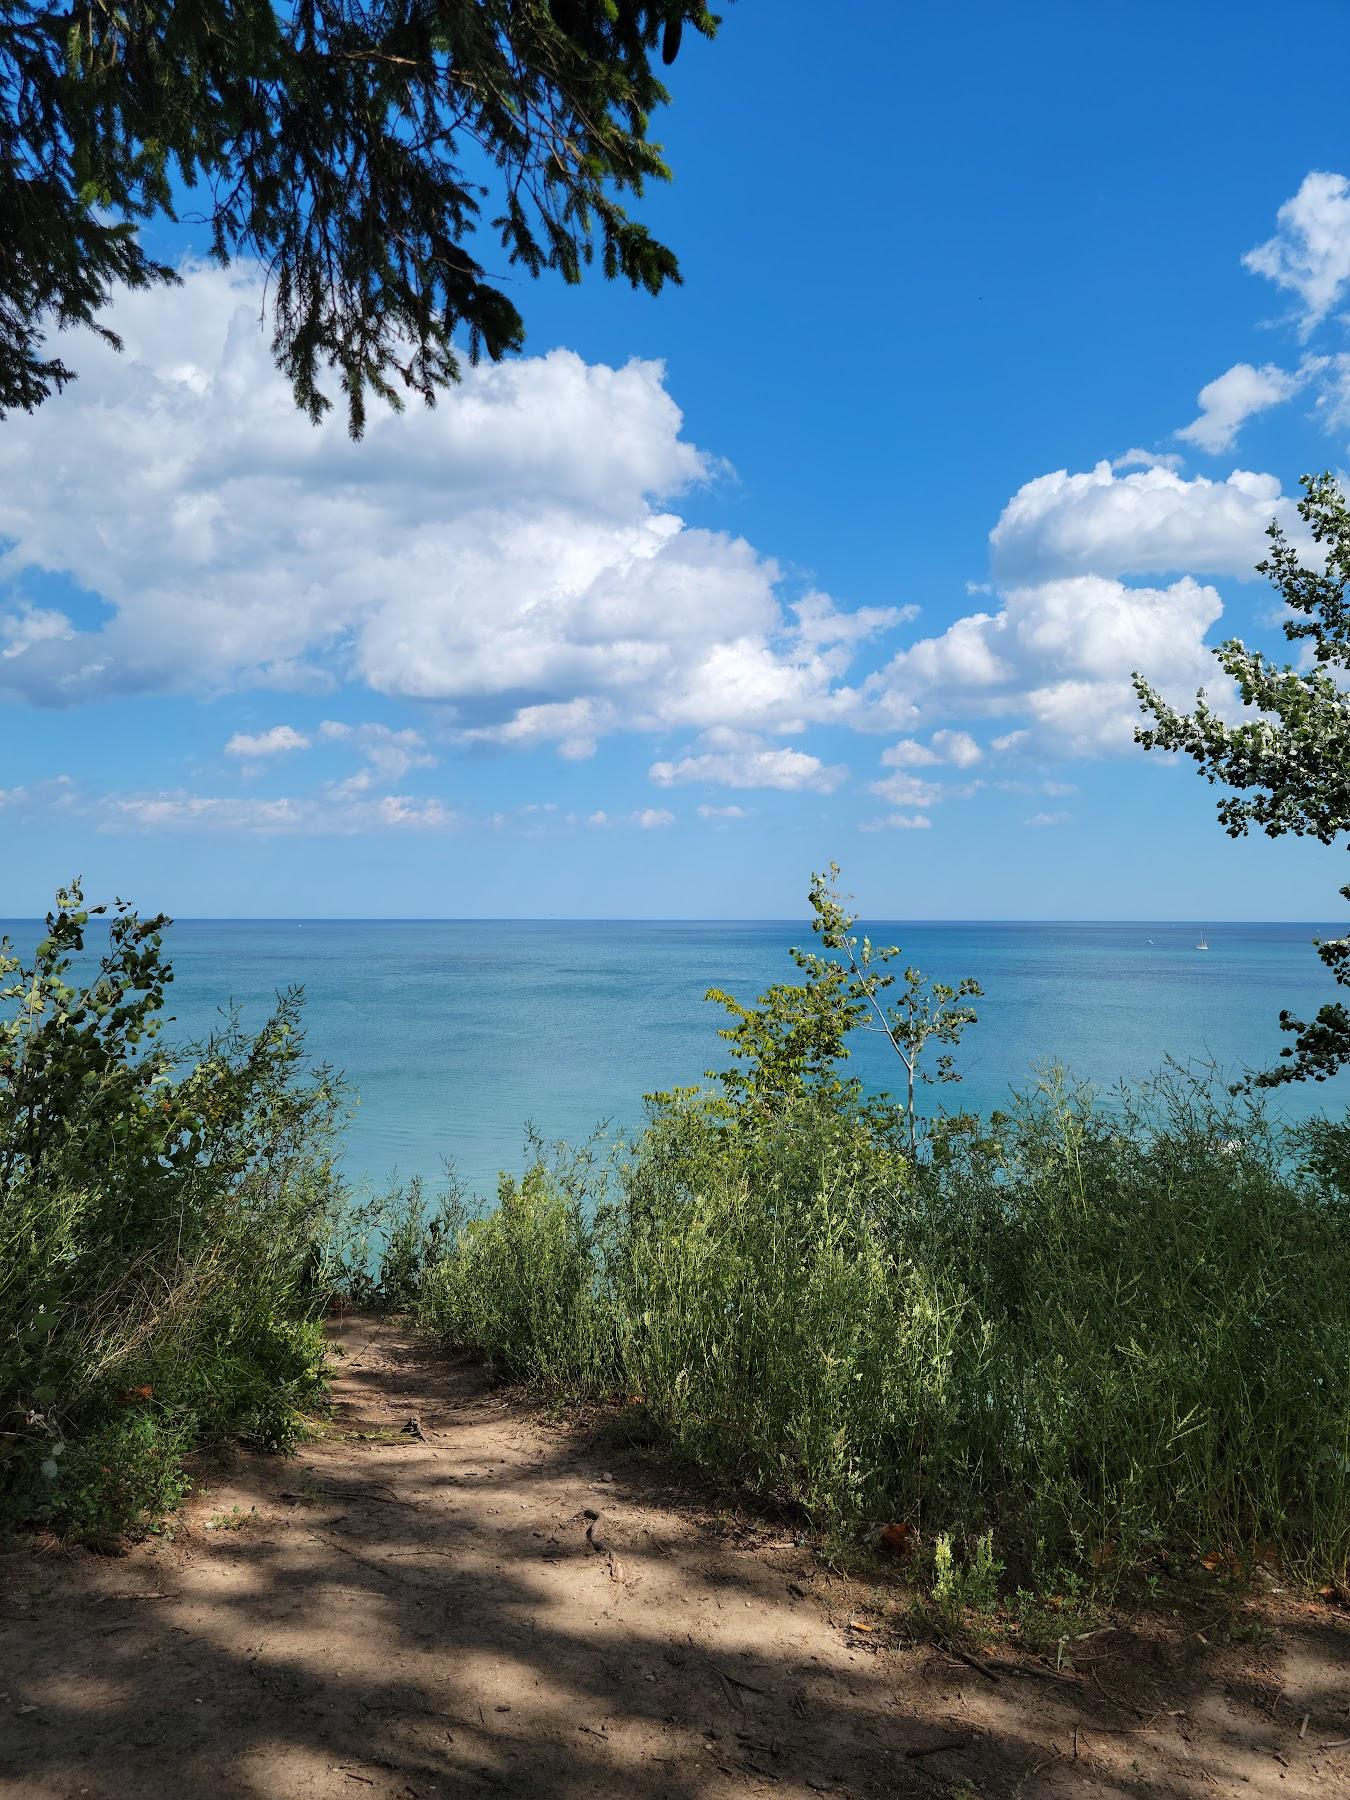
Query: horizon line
[(1211, 921)]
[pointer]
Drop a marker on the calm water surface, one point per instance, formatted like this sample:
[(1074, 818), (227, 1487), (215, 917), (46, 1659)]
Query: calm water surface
[(454, 1034)]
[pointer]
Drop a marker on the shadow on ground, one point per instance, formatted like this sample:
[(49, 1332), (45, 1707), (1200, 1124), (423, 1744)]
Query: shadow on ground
[(495, 1605)]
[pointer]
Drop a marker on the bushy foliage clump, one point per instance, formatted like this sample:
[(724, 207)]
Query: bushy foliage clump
[(162, 1222), (1104, 1332)]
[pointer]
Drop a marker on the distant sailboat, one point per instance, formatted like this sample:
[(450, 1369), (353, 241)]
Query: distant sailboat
[(1202, 945)]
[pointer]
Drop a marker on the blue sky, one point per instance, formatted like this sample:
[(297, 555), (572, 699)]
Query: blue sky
[(702, 591)]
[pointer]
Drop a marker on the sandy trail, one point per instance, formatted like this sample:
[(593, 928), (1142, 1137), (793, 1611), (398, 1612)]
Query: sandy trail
[(499, 1604)]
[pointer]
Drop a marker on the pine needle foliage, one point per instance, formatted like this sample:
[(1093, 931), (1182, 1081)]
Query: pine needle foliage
[(353, 147)]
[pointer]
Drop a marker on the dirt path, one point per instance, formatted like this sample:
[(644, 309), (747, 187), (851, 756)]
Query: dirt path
[(497, 1605)]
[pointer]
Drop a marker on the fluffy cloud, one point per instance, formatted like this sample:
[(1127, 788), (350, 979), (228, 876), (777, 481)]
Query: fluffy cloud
[(647, 818), (897, 822), (1229, 401), (509, 555), (1146, 459), (722, 812), (276, 742), (1059, 653), (1044, 819), (389, 754), (737, 761), (1151, 521), (956, 747), (327, 812), (907, 790), (516, 560), (1310, 253), (30, 625), (820, 623), (328, 815), (1036, 787)]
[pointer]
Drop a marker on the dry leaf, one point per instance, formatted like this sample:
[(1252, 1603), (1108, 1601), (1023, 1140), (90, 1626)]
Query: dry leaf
[(898, 1539)]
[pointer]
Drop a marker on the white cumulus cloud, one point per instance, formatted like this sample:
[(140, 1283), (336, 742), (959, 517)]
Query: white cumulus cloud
[(736, 761), (306, 815), (907, 790), (1146, 459), (897, 822), (1309, 255), (511, 555), (389, 754), (1227, 402), (955, 747), (1150, 521), (1059, 654), (30, 625), (276, 742)]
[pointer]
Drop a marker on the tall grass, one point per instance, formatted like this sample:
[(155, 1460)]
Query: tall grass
[(1104, 1334)]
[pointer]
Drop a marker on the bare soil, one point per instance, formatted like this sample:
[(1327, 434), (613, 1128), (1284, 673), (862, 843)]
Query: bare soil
[(489, 1600)]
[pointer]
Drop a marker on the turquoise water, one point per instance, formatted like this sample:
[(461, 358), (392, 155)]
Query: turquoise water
[(454, 1034)]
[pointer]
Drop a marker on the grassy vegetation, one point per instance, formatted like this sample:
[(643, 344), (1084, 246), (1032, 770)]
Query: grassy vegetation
[(1070, 1341), (1100, 1334), (1106, 1335)]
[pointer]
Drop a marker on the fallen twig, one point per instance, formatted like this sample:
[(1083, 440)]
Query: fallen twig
[(974, 1662), (365, 1494), (1034, 1770), (1039, 1674), (736, 1681)]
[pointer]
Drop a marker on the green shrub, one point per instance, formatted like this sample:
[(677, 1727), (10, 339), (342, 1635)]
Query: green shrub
[(524, 1285), (1103, 1332), (1106, 1332), (163, 1222), (964, 1586), (120, 1478)]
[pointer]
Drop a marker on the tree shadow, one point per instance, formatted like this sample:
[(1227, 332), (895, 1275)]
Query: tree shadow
[(440, 1614)]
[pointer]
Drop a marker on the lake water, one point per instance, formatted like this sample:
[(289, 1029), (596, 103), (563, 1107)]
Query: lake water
[(454, 1034)]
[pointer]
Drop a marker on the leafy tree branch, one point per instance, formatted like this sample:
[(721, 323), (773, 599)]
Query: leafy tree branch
[(1289, 764)]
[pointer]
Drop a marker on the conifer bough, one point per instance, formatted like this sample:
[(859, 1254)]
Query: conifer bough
[(352, 148)]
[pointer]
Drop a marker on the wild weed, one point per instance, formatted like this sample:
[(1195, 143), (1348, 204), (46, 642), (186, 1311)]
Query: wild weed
[(1101, 1332)]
